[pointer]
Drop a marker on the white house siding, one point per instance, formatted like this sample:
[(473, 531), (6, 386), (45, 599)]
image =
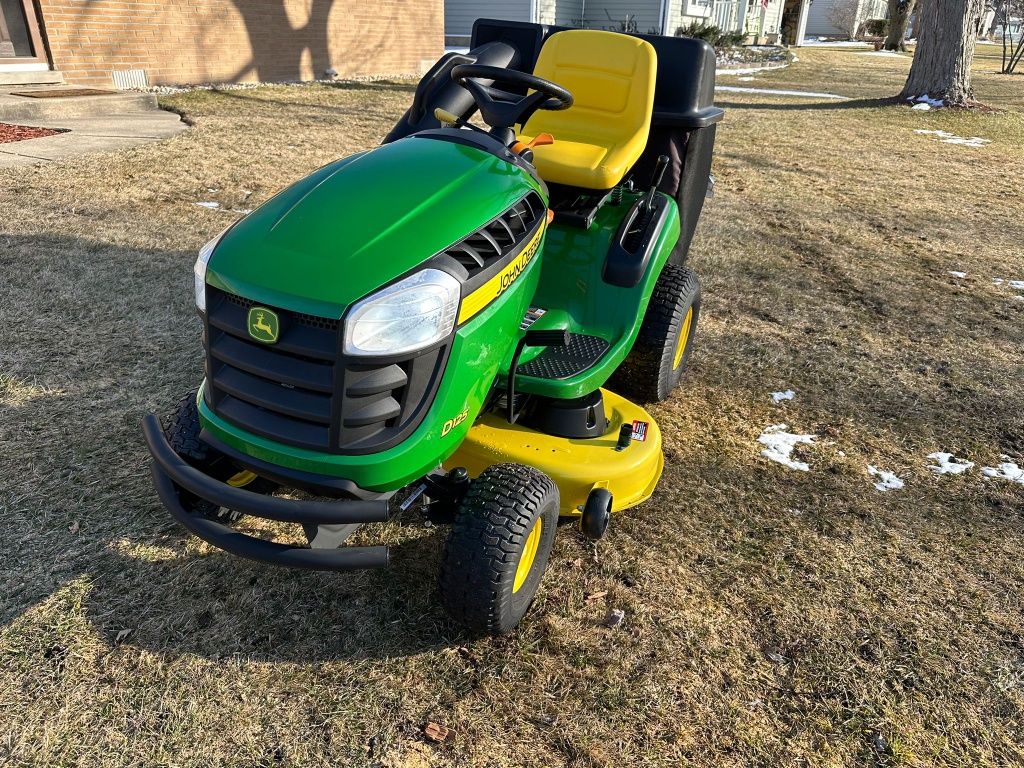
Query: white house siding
[(819, 23), (646, 13), (730, 15), (562, 13), (772, 18), (459, 15), (683, 12), (874, 9)]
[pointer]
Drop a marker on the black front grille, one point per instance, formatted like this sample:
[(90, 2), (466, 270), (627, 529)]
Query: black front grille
[(498, 238), (302, 391)]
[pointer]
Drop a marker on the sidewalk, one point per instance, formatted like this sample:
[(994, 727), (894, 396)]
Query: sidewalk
[(90, 134)]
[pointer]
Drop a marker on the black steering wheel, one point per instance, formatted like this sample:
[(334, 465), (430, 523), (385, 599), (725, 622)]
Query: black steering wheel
[(501, 109)]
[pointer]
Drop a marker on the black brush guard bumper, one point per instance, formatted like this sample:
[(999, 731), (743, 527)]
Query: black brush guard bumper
[(170, 470)]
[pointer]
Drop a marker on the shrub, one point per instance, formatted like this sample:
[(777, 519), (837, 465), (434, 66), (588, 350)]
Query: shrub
[(731, 40), (711, 34), (876, 27)]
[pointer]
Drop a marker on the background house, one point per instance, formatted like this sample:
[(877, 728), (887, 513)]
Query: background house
[(760, 20), (661, 17), (842, 18), (139, 42)]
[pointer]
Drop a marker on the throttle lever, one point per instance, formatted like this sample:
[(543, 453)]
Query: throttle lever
[(659, 173)]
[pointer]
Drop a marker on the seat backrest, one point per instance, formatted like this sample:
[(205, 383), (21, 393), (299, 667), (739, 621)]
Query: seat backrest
[(611, 77)]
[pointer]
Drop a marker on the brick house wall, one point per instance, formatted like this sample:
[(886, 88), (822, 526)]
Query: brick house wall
[(201, 41)]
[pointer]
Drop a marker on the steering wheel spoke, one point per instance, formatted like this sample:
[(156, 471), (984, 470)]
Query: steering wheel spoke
[(502, 109)]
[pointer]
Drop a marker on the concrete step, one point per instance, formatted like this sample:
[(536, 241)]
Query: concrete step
[(13, 107), (31, 78)]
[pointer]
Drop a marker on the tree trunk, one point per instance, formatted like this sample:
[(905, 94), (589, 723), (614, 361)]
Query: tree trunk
[(899, 19), (946, 36)]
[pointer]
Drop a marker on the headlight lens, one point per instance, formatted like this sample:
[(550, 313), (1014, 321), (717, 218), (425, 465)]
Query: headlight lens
[(199, 270), (409, 315)]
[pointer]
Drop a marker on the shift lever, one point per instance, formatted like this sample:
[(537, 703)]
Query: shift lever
[(659, 173)]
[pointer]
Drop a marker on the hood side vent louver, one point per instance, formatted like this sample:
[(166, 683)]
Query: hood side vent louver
[(499, 237)]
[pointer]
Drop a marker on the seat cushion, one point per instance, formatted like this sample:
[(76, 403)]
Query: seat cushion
[(579, 164), (599, 138)]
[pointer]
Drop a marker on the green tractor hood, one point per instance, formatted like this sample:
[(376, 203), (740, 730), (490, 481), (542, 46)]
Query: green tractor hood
[(357, 224)]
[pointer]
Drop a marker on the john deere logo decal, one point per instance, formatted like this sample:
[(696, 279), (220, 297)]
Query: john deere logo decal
[(263, 325)]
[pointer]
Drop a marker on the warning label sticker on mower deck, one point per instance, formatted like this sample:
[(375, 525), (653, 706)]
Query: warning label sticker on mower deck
[(640, 431)]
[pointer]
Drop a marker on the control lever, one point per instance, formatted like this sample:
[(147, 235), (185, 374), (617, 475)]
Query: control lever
[(450, 120), (559, 337), (447, 119), (659, 173)]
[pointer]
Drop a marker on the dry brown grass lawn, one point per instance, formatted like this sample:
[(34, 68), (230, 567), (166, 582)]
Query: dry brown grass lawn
[(773, 617)]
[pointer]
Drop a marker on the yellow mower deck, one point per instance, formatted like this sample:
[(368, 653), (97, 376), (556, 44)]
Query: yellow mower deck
[(576, 466)]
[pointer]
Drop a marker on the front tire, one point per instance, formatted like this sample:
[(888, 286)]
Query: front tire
[(499, 547), (662, 349)]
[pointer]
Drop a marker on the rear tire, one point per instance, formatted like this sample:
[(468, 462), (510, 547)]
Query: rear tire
[(182, 430), (662, 349), (498, 548)]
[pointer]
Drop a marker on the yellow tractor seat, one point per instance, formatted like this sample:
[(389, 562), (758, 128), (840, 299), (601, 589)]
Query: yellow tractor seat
[(600, 137)]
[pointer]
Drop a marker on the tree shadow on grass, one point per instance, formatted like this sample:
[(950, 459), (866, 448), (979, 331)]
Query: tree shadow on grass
[(372, 85), (822, 105), (215, 605), (302, 106), (98, 335)]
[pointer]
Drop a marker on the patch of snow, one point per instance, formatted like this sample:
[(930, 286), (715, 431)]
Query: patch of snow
[(811, 42), (1017, 285), (210, 206), (778, 397), (746, 79), (926, 99), (888, 54), (779, 445), (951, 138), (776, 92), (921, 107), (750, 70), (887, 481), (1008, 470), (960, 275), (946, 464), (997, 281)]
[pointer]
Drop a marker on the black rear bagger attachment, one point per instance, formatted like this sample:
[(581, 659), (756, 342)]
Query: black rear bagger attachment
[(171, 472), (682, 127)]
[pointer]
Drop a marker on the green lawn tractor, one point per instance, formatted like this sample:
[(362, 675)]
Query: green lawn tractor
[(430, 325)]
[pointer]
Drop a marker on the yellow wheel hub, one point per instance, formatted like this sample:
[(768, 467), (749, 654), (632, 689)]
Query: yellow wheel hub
[(684, 336), (529, 555)]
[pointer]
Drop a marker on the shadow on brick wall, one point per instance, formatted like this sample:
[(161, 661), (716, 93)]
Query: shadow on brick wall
[(281, 51)]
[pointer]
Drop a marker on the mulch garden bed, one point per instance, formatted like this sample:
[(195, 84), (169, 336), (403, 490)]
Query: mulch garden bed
[(9, 133)]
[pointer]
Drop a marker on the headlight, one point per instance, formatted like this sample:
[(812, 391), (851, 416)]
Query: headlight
[(409, 315), (199, 270)]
